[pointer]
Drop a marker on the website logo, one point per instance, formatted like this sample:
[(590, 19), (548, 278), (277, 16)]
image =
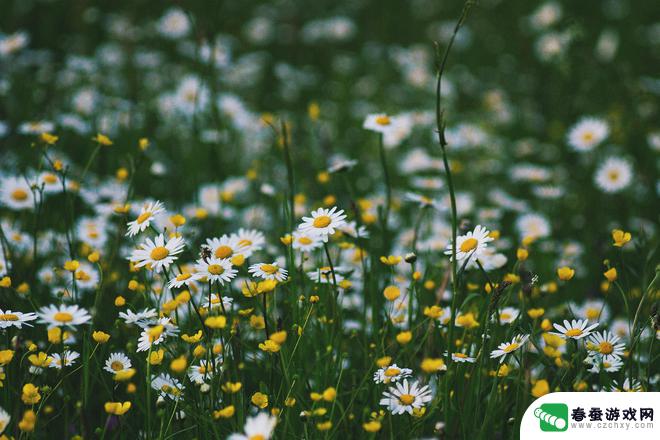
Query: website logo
[(553, 417)]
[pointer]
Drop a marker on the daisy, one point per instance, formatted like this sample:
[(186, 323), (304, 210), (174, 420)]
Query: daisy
[(15, 193), (259, 427), (613, 175), (167, 386), (611, 364), (117, 362), (405, 397), (508, 315), (226, 246), (4, 419), (148, 212), (174, 24), (462, 357), (627, 386), (157, 254), (250, 241), (306, 242), (471, 244), (508, 347), (351, 229), (69, 359), (379, 122), (323, 275), (576, 329), (63, 315), (391, 374), (215, 269), (201, 373), (533, 225), (156, 334), (605, 343), (268, 271), (215, 302), (587, 134), (183, 279), (142, 318), (323, 222), (16, 319)]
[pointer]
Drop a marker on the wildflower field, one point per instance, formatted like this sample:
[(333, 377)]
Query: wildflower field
[(319, 220)]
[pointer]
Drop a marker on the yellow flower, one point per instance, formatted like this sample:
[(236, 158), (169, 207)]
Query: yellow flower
[(522, 254), (467, 320), (120, 301), (178, 220), (433, 365), (535, 313), (260, 400), (391, 260), (28, 421), (71, 265), (404, 337), (100, 337), (232, 387), (324, 426), (156, 357), (620, 237), (48, 138), (372, 426), (290, 401), (391, 293), (565, 273), (6, 356), (93, 257), (55, 335), (143, 143), (23, 288), (40, 360), (31, 394), (433, 312), (329, 394), (5, 282), (313, 111), (384, 361), (278, 337), (611, 275), (194, 338), (269, 346), (216, 322), (102, 139), (117, 408), (224, 413), (124, 375), (257, 322), (179, 364), (540, 388)]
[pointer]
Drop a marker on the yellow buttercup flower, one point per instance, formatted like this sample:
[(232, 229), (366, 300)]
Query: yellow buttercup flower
[(100, 337), (565, 273), (117, 408), (260, 400), (102, 139), (620, 237)]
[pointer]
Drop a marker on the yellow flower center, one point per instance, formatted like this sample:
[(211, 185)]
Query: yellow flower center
[(202, 369), (406, 399), (391, 372), (605, 347), (322, 221), (245, 242), (469, 244), (8, 317), (223, 251), (183, 276), (63, 317), (613, 175), (573, 332), (216, 269), (587, 136), (592, 314), (144, 217), (511, 347), (19, 194), (117, 366), (269, 268), (461, 355), (505, 316), (383, 120), (159, 252), (257, 437), (50, 178), (305, 240)]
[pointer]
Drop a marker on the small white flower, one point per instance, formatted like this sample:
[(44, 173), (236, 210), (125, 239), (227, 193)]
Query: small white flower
[(404, 397), (259, 427), (69, 359), (323, 222), (157, 254), (63, 315), (614, 175), (215, 269), (587, 134), (471, 245), (15, 319), (268, 271), (508, 347), (144, 219), (392, 373), (117, 362), (576, 329)]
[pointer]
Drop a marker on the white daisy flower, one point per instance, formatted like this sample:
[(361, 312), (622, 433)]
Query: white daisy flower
[(157, 254), (156, 334), (4, 419), (508, 315), (351, 229), (63, 315), (306, 242), (174, 24), (605, 343), (259, 427), (404, 397), (167, 386), (533, 225), (392, 373), (250, 241), (227, 246), (380, 123), (215, 269), (142, 319), (323, 222), (268, 271), (462, 357), (215, 302), (508, 347), (614, 175), (471, 245), (117, 362), (183, 279), (323, 275), (609, 363), (147, 214), (202, 372), (587, 134), (15, 319), (15, 193), (627, 386), (69, 359), (576, 329)]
